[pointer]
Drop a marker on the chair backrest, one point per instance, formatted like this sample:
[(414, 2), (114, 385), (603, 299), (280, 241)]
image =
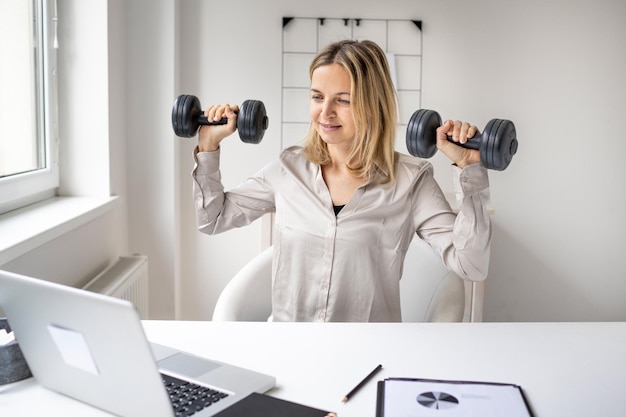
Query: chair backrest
[(428, 291), (248, 295)]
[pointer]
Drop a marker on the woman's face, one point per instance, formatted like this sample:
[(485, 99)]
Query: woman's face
[(330, 109)]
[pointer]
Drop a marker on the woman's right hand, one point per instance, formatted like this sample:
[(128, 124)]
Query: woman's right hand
[(210, 136), (460, 132)]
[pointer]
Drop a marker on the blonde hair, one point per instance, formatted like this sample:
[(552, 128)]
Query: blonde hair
[(374, 108)]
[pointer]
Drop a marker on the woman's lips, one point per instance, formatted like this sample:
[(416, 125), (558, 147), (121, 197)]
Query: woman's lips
[(329, 127)]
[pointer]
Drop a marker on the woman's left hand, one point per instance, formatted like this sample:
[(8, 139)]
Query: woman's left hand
[(461, 132)]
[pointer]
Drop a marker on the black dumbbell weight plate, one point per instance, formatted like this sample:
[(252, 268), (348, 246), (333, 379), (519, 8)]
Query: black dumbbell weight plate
[(489, 138), (423, 124), (500, 144), (252, 121), (508, 145), (185, 113), (176, 115)]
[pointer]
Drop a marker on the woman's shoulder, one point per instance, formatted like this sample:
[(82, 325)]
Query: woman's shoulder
[(293, 155), (292, 159), (411, 164), (412, 172), (292, 152)]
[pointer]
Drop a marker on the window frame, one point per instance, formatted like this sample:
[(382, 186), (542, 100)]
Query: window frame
[(19, 190)]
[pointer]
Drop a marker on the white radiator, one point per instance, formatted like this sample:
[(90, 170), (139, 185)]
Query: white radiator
[(126, 279)]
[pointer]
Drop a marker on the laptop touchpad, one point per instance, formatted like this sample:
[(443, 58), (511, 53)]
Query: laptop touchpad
[(183, 364)]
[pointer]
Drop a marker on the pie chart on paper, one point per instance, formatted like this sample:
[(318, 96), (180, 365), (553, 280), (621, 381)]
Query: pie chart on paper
[(437, 400)]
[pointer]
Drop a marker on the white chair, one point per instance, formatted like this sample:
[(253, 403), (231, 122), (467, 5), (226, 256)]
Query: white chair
[(428, 291)]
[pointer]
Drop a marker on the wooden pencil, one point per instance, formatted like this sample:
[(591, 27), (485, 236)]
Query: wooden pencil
[(360, 384)]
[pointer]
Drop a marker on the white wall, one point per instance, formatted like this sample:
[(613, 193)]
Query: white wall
[(151, 151), (556, 68)]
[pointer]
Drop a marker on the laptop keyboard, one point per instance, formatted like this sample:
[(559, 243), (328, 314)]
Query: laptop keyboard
[(188, 398)]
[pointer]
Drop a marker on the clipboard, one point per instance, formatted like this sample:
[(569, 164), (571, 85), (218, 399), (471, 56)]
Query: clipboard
[(429, 397)]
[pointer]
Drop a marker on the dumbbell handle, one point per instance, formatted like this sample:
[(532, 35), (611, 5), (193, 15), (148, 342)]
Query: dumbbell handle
[(202, 120), (472, 143)]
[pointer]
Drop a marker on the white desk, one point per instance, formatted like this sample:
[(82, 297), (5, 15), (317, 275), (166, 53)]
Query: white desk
[(566, 369)]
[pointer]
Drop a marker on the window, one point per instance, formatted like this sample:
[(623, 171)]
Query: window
[(28, 138)]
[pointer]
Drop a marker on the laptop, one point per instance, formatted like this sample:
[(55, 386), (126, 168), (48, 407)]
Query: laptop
[(92, 347)]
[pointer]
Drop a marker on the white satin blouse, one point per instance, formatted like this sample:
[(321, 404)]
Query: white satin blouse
[(348, 267)]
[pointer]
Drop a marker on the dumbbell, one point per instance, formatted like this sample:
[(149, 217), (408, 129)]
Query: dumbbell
[(497, 144), (188, 116)]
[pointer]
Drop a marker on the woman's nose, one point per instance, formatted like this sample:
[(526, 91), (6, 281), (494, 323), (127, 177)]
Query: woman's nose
[(328, 109)]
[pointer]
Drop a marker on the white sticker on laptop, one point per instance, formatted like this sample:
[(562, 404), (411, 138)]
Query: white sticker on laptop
[(73, 348)]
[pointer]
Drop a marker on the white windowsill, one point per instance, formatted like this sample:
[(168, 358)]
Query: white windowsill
[(25, 229)]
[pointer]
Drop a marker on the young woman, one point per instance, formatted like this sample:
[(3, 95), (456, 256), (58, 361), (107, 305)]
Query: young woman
[(347, 205)]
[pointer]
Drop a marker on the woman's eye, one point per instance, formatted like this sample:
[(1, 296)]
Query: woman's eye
[(316, 97), (345, 102)]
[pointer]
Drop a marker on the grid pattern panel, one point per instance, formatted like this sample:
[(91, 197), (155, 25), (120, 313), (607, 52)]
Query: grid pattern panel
[(303, 37)]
